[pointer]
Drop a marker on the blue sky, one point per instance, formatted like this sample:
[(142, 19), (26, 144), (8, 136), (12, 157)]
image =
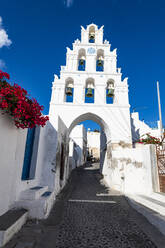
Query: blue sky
[(39, 31)]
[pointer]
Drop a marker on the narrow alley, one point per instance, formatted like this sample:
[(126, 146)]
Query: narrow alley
[(88, 215)]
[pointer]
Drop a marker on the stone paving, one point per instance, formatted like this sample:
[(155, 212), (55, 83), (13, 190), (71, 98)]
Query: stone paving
[(89, 215)]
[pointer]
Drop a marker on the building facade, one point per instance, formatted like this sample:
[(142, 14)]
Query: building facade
[(90, 87)]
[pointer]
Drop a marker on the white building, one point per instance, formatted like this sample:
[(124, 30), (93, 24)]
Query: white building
[(91, 67), (78, 146), (90, 87), (93, 143), (140, 128)]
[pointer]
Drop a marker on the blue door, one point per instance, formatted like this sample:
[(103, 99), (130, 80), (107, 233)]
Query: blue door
[(28, 153)]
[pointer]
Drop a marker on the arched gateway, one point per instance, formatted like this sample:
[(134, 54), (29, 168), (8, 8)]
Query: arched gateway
[(90, 87)]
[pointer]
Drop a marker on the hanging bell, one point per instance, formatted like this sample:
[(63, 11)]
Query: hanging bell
[(92, 36), (81, 62), (100, 62), (110, 93), (68, 91), (89, 92)]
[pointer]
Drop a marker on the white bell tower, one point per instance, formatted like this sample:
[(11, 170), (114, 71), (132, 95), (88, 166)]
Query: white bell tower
[(90, 87)]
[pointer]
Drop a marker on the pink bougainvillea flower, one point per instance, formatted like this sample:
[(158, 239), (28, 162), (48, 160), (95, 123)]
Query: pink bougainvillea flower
[(14, 100)]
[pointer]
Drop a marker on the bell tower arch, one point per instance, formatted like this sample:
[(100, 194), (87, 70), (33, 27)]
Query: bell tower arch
[(91, 71)]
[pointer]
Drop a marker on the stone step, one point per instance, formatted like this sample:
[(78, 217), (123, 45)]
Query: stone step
[(158, 196), (33, 193), (39, 208), (10, 223), (153, 217), (158, 206)]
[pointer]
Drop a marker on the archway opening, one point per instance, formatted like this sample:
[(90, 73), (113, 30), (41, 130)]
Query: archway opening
[(89, 140)]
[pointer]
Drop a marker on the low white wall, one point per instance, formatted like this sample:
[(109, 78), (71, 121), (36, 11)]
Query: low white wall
[(12, 146), (133, 170)]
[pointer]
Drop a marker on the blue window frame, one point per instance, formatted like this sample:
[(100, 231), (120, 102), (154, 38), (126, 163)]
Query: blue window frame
[(70, 98), (28, 154), (109, 100), (89, 99)]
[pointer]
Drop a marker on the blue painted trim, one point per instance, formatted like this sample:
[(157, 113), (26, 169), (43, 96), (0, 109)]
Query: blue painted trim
[(28, 153)]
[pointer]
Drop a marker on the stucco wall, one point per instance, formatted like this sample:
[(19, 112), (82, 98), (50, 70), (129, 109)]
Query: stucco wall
[(140, 128), (94, 143), (49, 156), (12, 146), (133, 170)]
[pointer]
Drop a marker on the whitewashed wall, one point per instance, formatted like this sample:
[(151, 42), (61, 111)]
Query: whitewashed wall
[(140, 128), (94, 143), (12, 146), (49, 155), (79, 136), (133, 170)]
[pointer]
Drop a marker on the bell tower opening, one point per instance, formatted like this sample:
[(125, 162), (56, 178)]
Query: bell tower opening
[(90, 133), (69, 90), (110, 92), (92, 34), (81, 59), (89, 91), (91, 82), (100, 60)]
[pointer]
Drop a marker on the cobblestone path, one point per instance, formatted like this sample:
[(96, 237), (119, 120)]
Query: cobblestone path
[(88, 215)]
